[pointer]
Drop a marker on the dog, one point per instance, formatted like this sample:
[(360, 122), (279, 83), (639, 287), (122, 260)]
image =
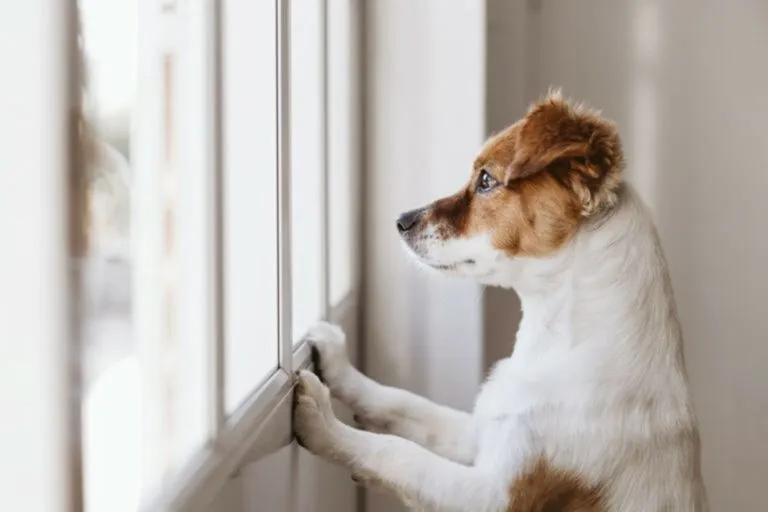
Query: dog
[(592, 410)]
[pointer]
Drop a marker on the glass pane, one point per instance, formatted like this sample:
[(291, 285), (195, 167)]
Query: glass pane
[(250, 196), (111, 369), (342, 155), (144, 325), (307, 163)]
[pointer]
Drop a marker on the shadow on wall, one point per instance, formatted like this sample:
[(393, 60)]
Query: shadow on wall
[(507, 84), (691, 108), (424, 116)]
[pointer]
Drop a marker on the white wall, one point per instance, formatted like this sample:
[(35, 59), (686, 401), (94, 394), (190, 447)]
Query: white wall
[(506, 99), (424, 123), (686, 83)]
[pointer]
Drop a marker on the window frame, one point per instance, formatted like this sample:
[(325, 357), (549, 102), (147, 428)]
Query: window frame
[(261, 424)]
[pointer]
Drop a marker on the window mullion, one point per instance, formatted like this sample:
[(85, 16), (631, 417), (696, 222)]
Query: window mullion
[(324, 200), (284, 184), (212, 23)]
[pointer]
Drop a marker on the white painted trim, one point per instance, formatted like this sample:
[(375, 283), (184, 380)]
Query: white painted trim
[(212, 30), (203, 478), (285, 287), (258, 428), (301, 355), (38, 468), (325, 285)]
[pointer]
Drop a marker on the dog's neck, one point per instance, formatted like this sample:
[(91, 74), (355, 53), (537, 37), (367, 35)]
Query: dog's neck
[(609, 289)]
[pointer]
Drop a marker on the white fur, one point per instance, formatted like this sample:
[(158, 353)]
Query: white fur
[(596, 384)]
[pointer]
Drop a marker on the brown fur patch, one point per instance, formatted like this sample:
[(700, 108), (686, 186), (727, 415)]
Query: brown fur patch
[(558, 165), (546, 489)]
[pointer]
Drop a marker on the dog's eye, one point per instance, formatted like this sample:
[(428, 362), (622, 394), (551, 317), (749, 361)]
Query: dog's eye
[(486, 182)]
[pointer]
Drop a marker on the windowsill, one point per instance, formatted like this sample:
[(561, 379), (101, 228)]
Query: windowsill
[(261, 426)]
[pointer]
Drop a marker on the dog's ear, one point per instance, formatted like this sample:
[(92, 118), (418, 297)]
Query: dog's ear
[(577, 146)]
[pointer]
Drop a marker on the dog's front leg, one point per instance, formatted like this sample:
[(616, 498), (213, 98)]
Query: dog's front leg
[(421, 478), (442, 430)]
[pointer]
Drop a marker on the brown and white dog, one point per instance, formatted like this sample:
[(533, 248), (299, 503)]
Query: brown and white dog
[(592, 410)]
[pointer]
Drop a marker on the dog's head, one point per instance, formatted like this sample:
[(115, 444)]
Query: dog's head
[(530, 190)]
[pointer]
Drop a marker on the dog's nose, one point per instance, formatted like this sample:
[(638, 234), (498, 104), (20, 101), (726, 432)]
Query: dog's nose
[(409, 219)]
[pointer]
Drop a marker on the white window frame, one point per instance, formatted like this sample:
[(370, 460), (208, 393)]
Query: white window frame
[(261, 424)]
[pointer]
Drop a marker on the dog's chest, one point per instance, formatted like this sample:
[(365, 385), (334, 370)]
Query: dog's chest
[(517, 386), (524, 404)]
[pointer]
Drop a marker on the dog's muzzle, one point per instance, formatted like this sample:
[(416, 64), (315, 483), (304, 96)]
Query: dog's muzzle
[(408, 220)]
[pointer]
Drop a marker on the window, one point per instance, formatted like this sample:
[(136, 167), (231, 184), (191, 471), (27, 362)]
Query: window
[(323, 157), (218, 171), (111, 408), (343, 155), (249, 195), (308, 163), (205, 202), (145, 327)]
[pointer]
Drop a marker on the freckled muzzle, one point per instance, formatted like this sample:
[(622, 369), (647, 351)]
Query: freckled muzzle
[(442, 219)]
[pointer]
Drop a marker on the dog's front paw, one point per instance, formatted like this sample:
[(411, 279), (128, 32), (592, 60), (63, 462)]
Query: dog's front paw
[(329, 352), (314, 423)]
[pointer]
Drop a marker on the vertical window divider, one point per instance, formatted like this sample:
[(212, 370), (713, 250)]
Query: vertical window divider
[(76, 206), (285, 336), (325, 287), (216, 382)]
